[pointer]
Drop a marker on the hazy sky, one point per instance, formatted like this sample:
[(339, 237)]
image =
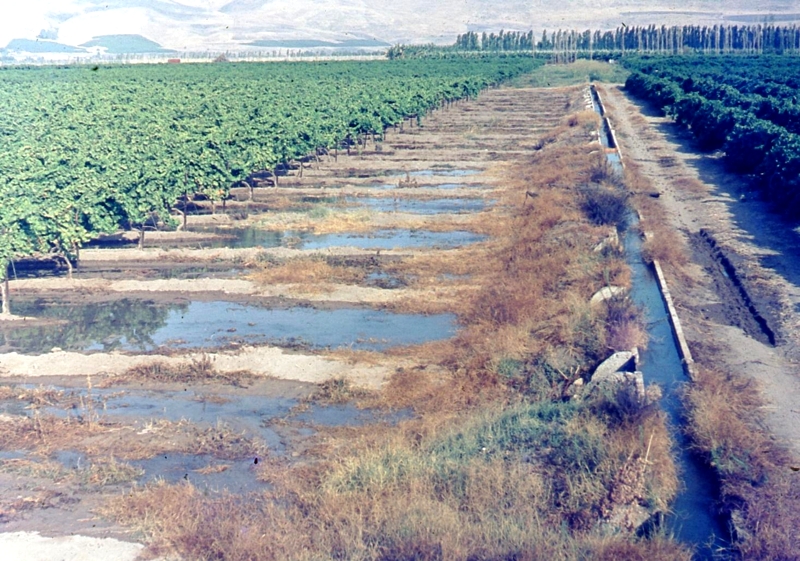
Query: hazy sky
[(185, 24)]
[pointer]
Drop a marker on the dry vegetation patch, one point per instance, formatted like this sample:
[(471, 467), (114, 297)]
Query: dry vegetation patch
[(199, 370), (662, 242), (319, 220), (314, 271), (759, 482)]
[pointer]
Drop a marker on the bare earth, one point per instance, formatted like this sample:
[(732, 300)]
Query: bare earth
[(698, 195), (265, 361), (30, 546)]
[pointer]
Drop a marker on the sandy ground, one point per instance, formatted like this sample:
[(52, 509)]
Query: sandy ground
[(263, 361), (332, 292), (760, 244), (30, 546)]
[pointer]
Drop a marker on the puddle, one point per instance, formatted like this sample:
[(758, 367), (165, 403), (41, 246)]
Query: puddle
[(194, 273), (432, 172), (253, 416), (419, 206), (139, 325), (240, 413), (454, 277), (204, 472), (12, 454), (348, 415), (377, 239), (388, 239)]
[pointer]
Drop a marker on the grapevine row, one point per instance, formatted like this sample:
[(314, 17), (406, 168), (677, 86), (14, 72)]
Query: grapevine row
[(86, 151), (758, 134)]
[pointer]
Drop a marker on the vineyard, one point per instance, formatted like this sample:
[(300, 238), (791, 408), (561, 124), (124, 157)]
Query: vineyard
[(747, 107), (91, 150), (379, 305)]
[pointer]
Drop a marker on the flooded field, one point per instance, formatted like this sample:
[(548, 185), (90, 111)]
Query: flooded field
[(139, 325), (395, 238), (419, 206)]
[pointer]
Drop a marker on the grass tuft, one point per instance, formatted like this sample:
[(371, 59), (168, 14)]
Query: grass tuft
[(197, 370), (606, 205)]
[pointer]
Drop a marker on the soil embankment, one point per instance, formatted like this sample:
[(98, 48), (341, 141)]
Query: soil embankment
[(740, 292), (735, 281)]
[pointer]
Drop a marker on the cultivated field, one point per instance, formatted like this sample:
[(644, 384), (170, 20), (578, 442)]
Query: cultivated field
[(390, 355), (242, 443)]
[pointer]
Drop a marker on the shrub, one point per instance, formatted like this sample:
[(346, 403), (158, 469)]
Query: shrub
[(605, 205)]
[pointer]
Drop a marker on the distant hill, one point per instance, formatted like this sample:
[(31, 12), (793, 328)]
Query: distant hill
[(126, 44), (311, 43), (41, 46)]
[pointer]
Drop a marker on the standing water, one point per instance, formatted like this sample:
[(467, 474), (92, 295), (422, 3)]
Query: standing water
[(693, 519)]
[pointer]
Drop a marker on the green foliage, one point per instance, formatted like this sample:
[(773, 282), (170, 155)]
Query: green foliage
[(746, 106), (87, 152)]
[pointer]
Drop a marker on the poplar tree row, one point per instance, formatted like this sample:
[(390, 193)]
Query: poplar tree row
[(718, 39)]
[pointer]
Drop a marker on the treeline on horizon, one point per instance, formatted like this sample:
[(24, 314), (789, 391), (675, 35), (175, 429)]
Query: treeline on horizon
[(751, 39)]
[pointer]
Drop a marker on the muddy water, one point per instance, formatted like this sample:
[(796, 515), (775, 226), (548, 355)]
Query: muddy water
[(419, 206), (252, 416), (434, 172), (445, 186), (140, 325)]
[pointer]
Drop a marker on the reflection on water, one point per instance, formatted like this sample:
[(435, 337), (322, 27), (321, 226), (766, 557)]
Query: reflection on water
[(138, 325), (432, 172), (419, 206), (106, 326), (377, 239)]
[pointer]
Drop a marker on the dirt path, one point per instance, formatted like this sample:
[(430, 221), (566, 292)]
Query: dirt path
[(742, 293), (262, 361)]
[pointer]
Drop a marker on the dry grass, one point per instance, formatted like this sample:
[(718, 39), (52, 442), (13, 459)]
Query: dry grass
[(319, 221), (315, 272), (485, 490), (45, 469), (663, 243), (624, 323), (495, 465), (691, 185), (45, 434), (759, 485), (197, 370), (109, 472), (97, 473), (338, 390)]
